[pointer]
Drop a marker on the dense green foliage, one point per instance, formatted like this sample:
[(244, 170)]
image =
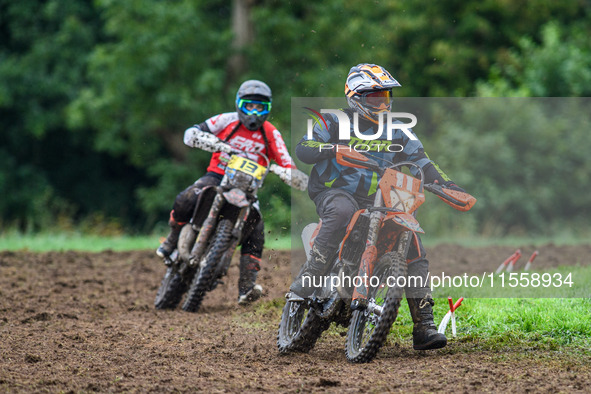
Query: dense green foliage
[(526, 161), (95, 96)]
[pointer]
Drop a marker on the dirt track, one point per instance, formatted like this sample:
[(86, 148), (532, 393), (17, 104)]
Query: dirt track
[(78, 321)]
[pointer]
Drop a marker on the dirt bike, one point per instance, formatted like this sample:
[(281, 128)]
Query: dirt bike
[(206, 244), (374, 249)]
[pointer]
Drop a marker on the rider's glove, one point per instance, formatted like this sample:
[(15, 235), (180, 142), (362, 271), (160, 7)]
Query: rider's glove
[(285, 175), (299, 180), (452, 186), (198, 138), (221, 146), (293, 177)]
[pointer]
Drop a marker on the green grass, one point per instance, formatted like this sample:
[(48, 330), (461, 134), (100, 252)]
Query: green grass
[(74, 240), (44, 242), (502, 324), (515, 241), (495, 324), (532, 323), (498, 325)]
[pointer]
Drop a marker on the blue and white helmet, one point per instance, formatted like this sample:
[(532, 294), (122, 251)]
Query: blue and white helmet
[(369, 90), (253, 103)]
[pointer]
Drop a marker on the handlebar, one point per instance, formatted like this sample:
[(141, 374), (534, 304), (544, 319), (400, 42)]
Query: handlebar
[(459, 200), (210, 143), (351, 158)]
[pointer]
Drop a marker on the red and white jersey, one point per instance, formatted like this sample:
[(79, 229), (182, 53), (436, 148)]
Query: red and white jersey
[(222, 126)]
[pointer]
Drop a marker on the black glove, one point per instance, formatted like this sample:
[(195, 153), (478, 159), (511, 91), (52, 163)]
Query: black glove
[(452, 186)]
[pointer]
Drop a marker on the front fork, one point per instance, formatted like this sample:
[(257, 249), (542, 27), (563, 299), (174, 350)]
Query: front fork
[(369, 256), (208, 227), (366, 266)]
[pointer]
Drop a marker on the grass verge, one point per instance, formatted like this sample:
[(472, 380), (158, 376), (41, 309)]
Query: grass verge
[(47, 241), (498, 325), (44, 242)]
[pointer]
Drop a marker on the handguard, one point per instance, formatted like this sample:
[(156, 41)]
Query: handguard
[(293, 177), (459, 200), (350, 158)]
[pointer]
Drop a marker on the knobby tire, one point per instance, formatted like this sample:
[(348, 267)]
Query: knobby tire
[(358, 352), (298, 331), (171, 290), (203, 281)]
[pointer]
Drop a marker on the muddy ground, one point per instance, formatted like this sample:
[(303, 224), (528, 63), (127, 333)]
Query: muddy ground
[(82, 322)]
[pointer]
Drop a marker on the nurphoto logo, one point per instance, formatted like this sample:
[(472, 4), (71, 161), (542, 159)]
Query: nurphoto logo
[(345, 125)]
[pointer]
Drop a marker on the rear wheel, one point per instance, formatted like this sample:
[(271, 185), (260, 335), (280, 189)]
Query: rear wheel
[(204, 280), (368, 330), (300, 328)]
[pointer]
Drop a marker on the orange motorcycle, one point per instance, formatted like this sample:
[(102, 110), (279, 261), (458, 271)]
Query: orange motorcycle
[(365, 284)]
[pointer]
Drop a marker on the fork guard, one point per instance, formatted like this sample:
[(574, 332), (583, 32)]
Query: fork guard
[(366, 267)]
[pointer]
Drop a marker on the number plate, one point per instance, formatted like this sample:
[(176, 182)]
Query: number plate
[(248, 166)]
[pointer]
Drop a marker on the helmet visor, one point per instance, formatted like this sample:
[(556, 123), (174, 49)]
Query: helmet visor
[(379, 100), (254, 107)]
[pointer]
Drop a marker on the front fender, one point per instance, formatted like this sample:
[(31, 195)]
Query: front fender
[(405, 220), (237, 198)]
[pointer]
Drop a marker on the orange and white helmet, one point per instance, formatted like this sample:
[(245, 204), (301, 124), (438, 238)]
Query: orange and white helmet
[(369, 90)]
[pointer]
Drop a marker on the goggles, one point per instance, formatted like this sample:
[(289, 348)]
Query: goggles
[(377, 99), (254, 107)]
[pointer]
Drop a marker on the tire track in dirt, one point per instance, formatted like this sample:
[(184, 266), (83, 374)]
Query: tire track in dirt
[(76, 321)]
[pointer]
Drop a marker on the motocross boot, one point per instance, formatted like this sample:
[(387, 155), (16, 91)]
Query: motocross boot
[(424, 333), (420, 303), (169, 245), (248, 290), (316, 265)]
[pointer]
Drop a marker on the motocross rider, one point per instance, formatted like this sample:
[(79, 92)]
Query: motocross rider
[(339, 191), (248, 130)]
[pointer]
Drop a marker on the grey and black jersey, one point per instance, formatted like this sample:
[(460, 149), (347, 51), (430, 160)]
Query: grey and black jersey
[(361, 183)]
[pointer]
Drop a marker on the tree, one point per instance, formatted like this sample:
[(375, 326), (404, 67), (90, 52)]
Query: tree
[(161, 69), (42, 61), (556, 67)]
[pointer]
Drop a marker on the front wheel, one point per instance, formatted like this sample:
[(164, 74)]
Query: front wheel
[(204, 280), (368, 329), (300, 328), (171, 289)]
